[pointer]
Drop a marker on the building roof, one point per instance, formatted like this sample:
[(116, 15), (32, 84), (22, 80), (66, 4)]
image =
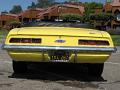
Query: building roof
[(115, 3), (31, 9), (80, 7), (9, 14), (50, 9)]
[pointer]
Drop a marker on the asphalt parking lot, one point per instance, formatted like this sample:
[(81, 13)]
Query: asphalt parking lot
[(59, 77)]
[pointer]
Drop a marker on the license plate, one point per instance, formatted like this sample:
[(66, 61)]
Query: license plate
[(59, 56)]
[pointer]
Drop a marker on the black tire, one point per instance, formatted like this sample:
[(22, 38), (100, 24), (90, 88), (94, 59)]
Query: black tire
[(95, 69), (19, 67)]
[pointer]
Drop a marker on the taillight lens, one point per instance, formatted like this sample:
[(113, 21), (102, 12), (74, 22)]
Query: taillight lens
[(25, 40), (35, 40), (15, 40), (93, 42)]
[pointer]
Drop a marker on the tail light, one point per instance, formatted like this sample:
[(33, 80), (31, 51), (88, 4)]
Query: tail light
[(93, 42), (15, 40), (25, 40)]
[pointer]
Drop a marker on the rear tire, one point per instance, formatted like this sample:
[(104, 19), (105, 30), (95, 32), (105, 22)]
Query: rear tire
[(95, 69), (19, 67)]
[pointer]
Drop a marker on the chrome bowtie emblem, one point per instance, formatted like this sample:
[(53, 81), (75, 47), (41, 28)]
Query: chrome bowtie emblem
[(60, 41)]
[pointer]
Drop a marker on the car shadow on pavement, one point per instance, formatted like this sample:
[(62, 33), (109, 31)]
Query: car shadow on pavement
[(57, 72)]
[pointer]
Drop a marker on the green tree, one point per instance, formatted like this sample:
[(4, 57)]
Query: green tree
[(93, 5), (102, 17), (16, 9), (44, 3), (90, 9), (33, 5)]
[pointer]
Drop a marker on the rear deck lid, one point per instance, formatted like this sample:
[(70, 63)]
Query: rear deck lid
[(59, 31)]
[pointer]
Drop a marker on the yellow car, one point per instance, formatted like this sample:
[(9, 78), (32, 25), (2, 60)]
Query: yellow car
[(59, 45)]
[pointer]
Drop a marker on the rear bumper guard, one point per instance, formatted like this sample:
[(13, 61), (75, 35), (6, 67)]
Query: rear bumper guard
[(46, 48)]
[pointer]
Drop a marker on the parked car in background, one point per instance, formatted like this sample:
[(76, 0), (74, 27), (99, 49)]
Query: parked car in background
[(58, 42)]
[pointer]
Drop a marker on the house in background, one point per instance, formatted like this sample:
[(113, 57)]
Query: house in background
[(50, 13), (55, 11), (111, 7), (24, 17), (6, 18), (29, 15)]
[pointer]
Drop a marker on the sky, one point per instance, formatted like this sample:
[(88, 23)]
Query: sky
[(8, 4)]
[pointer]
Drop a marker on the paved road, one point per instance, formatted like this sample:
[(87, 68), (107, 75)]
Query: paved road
[(59, 77)]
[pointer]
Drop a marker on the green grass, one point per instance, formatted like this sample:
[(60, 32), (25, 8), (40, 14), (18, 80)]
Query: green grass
[(3, 32), (116, 39)]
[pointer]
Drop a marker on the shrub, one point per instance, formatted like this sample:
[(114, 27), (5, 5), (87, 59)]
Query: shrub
[(12, 24), (102, 17), (70, 17), (15, 24)]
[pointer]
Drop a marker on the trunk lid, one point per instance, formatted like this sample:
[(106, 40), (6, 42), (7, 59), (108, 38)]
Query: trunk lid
[(59, 31)]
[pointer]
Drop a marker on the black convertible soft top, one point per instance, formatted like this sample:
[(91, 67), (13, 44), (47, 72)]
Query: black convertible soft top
[(57, 24)]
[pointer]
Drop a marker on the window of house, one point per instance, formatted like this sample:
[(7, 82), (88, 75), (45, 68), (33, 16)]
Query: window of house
[(3, 23)]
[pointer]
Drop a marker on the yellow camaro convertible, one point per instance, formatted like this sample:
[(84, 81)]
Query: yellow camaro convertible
[(59, 45)]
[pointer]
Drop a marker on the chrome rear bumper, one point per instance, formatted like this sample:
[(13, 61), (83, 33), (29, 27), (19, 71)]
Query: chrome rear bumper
[(45, 48)]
